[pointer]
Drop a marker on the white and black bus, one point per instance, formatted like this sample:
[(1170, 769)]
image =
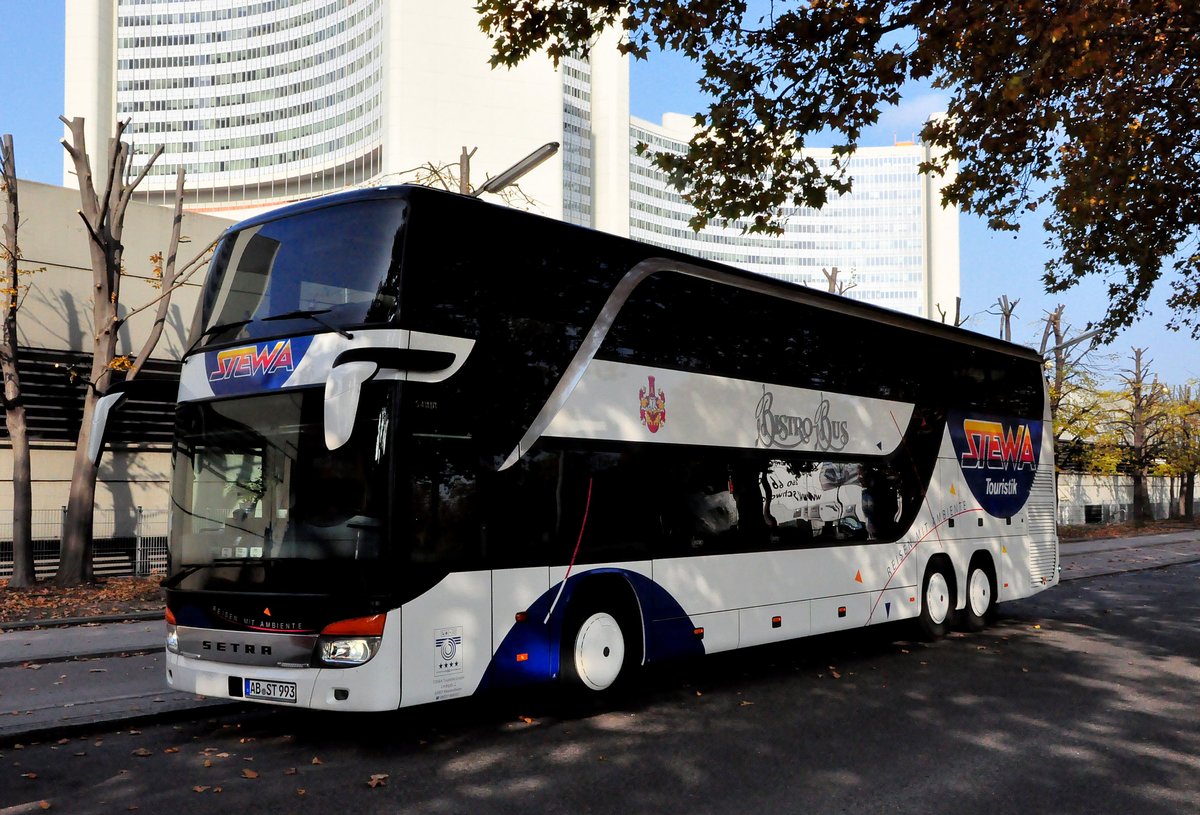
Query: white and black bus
[(428, 446)]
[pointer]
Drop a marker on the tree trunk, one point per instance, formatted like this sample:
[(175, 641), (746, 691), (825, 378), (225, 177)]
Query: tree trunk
[(14, 408), (22, 481), (104, 218), (75, 556), (1188, 496), (1141, 500)]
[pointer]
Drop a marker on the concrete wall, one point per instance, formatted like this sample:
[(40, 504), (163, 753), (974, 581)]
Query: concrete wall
[(1112, 495), (57, 314), (57, 311)]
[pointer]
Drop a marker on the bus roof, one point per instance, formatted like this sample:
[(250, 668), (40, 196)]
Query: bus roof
[(816, 297)]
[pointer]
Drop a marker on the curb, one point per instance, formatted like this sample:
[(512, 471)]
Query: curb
[(59, 730), (62, 622), (121, 652)]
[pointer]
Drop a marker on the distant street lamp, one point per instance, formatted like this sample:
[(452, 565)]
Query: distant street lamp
[(518, 170)]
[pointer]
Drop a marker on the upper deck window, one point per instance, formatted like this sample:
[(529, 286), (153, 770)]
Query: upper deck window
[(338, 265)]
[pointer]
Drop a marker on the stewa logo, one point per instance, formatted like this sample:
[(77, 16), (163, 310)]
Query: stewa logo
[(999, 458), (247, 368)]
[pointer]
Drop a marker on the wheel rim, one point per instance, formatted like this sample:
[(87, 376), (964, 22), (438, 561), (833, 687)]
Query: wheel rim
[(979, 592), (937, 598), (599, 651)]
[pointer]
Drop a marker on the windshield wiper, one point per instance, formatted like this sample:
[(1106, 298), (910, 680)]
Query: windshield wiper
[(310, 314), (215, 327)]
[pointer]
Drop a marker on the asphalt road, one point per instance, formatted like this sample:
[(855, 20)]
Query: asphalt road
[(1083, 699)]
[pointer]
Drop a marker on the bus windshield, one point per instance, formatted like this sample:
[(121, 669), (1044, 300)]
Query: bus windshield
[(341, 264), (254, 482)]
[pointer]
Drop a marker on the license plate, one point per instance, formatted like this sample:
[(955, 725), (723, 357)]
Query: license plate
[(274, 691)]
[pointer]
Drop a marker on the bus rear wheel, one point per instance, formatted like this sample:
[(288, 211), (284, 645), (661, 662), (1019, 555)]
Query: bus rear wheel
[(981, 598), (937, 601)]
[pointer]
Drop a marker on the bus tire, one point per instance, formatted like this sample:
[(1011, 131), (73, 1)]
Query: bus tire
[(598, 649), (937, 599), (981, 596)]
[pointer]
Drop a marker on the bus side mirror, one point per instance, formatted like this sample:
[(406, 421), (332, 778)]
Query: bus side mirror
[(342, 390), (105, 405), (163, 390), (355, 367)]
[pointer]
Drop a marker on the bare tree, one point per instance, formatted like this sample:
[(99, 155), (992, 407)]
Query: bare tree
[(1076, 403), (10, 368), (103, 215), (958, 318), (1006, 309), (1138, 417), (456, 177), (835, 287)]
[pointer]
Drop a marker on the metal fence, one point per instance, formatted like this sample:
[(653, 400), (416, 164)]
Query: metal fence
[(124, 542)]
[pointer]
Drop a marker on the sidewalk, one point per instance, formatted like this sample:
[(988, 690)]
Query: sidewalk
[(59, 679), (1096, 558), (68, 677)]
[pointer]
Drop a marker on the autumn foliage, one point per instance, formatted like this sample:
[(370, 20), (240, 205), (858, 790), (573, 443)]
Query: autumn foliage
[(1086, 113)]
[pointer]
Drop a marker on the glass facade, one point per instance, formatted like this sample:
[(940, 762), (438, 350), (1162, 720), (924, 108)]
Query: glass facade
[(877, 237), (577, 141), (254, 100)]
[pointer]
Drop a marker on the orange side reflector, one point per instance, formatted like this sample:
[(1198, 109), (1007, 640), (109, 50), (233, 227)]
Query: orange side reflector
[(358, 626), (522, 657), (522, 616), (776, 622), (912, 599), (171, 615), (698, 633), (1006, 585), (841, 611)]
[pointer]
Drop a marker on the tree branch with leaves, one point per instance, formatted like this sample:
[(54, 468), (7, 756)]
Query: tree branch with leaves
[(1088, 112)]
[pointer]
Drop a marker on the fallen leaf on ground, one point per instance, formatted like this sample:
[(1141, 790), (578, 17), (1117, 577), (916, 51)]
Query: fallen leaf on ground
[(141, 752), (290, 771), (30, 776), (200, 788), (378, 780), (249, 774), (45, 601), (315, 760)]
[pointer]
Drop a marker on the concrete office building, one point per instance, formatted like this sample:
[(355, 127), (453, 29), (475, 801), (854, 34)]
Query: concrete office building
[(270, 101), (890, 236)]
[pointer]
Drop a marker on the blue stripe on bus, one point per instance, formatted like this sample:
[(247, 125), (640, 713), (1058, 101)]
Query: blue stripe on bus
[(668, 635)]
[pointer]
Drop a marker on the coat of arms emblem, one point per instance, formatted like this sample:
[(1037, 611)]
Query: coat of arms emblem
[(653, 407)]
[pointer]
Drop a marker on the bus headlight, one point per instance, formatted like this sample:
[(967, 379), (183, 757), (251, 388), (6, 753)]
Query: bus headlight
[(348, 651), (350, 642)]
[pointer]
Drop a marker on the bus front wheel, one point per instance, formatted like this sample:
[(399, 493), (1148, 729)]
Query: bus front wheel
[(937, 601), (595, 652)]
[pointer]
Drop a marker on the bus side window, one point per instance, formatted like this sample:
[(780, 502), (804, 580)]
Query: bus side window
[(520, 509), (623, 513), (444, 512)]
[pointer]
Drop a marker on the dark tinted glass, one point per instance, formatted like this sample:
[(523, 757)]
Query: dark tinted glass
[(340, 263), (685, 323)]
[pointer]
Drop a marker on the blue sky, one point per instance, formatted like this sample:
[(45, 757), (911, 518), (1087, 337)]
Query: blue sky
[(992, 264)]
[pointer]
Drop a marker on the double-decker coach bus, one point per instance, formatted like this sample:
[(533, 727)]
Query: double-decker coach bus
[(428, 446)]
